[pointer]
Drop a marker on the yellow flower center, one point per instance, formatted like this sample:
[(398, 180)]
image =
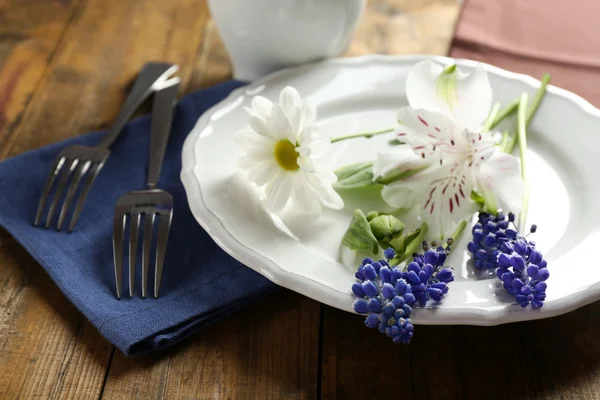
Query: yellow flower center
[(286, 155)]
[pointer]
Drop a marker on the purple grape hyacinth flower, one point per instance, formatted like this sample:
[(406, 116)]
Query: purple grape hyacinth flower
[(385, 297), (519, 265), (426, 276)]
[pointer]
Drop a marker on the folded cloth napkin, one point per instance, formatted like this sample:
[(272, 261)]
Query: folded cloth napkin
[(200, 283), (533, 37)]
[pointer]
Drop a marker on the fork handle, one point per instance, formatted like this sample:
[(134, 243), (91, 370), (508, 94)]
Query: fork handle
[(151, 76), (162, 115)]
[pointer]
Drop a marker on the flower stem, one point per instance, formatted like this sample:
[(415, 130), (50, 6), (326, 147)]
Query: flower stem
[(457, 233), (491, 118), (363, 134), (504, 113), (539, 95), (522, 139), (505, 141)]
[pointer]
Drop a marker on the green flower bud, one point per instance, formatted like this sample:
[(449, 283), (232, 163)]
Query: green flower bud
[(386, 227), (372, 215)]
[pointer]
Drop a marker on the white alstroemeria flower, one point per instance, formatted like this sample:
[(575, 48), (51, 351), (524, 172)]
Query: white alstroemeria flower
[(281, 146), (442, 127)]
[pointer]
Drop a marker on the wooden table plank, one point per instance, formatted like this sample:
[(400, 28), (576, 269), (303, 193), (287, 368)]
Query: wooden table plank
[(565, 353), (30, 33), (267, 351), (359, 363), (47, 349)]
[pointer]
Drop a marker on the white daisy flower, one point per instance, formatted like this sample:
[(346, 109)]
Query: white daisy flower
[(282, 146), (442, 127)]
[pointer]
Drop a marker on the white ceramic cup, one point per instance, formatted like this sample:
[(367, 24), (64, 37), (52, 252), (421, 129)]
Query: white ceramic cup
[(262, 36)]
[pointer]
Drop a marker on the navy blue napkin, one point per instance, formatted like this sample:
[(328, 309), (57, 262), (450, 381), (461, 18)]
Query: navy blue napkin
[(200, 284)]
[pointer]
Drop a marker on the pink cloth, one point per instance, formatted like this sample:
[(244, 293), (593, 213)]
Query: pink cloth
[(534, 37)]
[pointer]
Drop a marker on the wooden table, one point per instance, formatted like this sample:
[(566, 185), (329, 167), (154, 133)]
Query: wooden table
[(64, 69)]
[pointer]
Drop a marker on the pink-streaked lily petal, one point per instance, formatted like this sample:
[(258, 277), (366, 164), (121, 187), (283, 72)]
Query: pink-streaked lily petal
[(465, 97), (442, 195), (431, 135), (499, 181), (483, 146)]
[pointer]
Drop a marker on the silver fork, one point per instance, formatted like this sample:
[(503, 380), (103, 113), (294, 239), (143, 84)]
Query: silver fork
[(77, 162), (150, 204)]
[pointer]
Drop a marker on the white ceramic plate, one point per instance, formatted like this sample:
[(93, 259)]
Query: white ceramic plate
[(362, 94)]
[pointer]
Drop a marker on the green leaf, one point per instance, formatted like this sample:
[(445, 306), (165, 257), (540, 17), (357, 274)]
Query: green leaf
[(355, 176), (386, 227), (391, 178), (359, 237), (413, 243)]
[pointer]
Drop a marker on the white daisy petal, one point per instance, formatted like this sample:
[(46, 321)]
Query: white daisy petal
[(260, 153), (262, 106), (306, 164), (332, 199), (262, 173), (247, 137), (295, 119), (304, 151), (246, 162), (319, 147), (261, 126), (309, 113), (302, 194), (278, 192), (289, 98), (499, 181), (466, 97), (284, 128)]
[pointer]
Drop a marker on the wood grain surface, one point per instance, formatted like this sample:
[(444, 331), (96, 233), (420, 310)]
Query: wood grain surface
[(65, 66)]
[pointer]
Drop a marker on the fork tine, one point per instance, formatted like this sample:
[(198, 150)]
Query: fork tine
[(118, 233), (58, 164), (91, 177), (164, 224), (77, 177), (148, 223), (70, 167), (133, 244)]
